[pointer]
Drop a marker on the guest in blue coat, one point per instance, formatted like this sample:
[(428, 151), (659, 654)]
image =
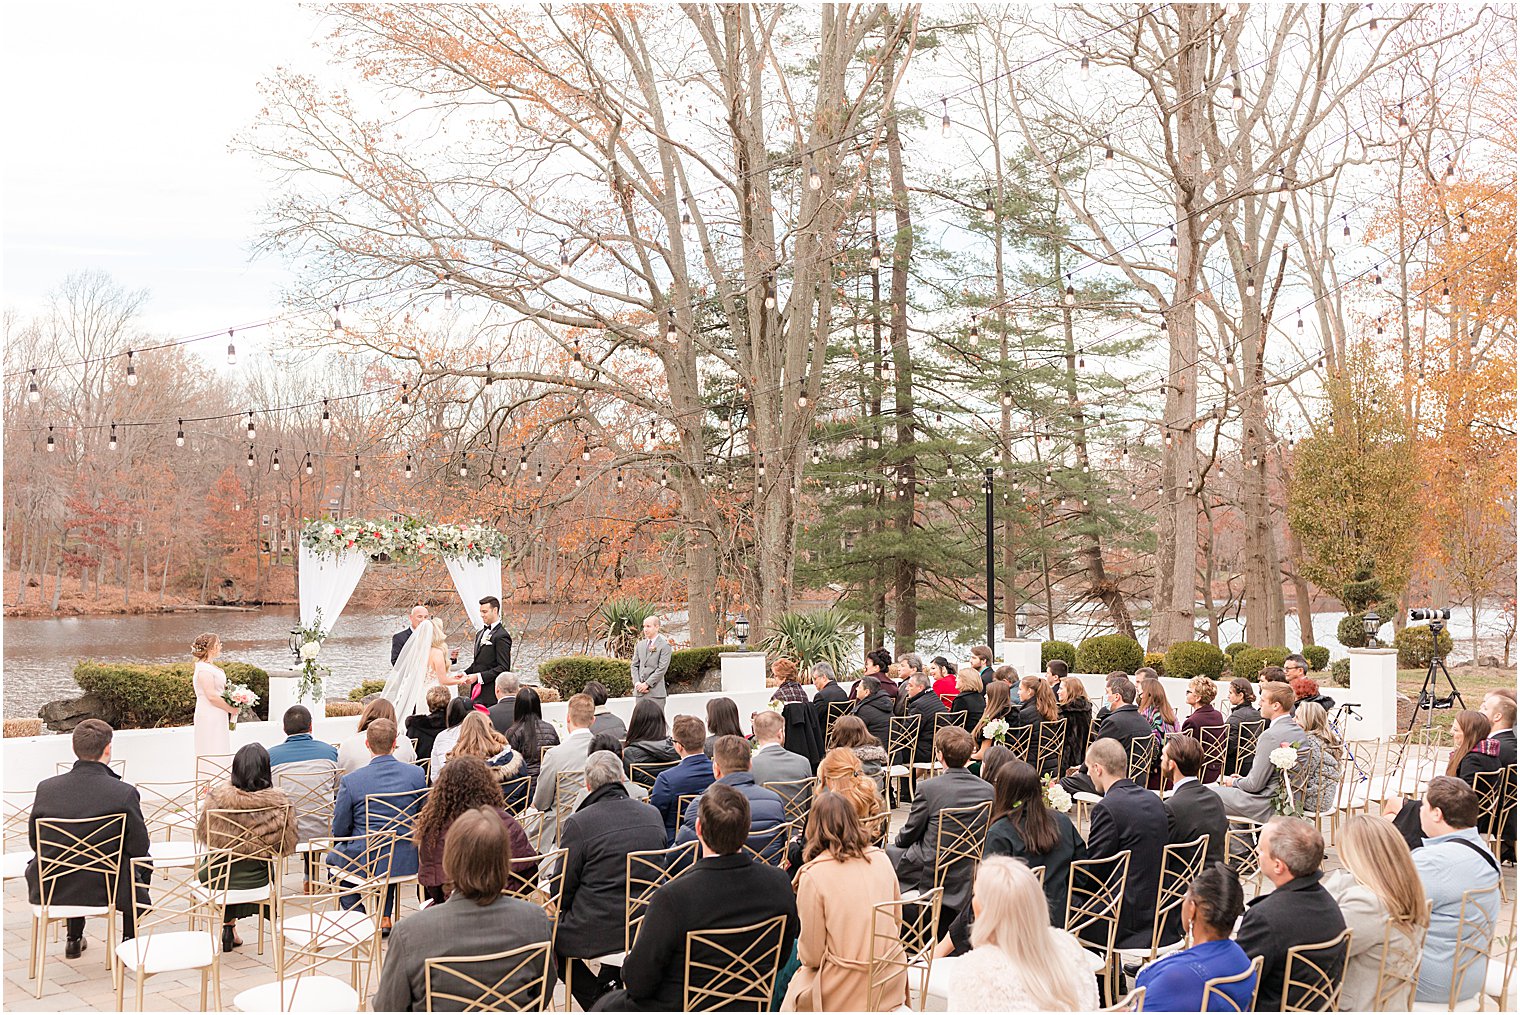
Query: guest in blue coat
[(730, 765), (353, 814), (690, 777), (1175, 982)]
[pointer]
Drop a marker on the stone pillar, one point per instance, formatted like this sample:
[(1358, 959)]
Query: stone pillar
[(283, 689), (1023, 654), (1374, 690), (742, 671)]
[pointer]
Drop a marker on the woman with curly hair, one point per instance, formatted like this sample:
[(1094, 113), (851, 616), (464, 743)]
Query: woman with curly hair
[(842, 772), (788, 689), (1205, 723), (479, 739), (465, 783)]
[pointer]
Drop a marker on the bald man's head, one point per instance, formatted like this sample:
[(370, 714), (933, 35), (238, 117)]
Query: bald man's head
[(419, 614)]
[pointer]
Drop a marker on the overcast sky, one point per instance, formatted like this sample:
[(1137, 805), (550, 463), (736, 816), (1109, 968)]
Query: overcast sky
[(117, 122)]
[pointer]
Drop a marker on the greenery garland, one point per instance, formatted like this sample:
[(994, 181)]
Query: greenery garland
[(406, 540)]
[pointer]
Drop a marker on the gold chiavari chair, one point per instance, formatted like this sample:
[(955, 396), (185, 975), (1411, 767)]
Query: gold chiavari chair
[(547, 889), (1133, 1001), (1216, 998), (942, 720), (1490, 788), (69, 849), (517, 794), (832, 711), (395, 814), (313, 794), (1399, 968), (255, 867), (312, 933), (902, 949), (1312, 975), (958, 842), (171, 808), (796, 797), (117, 765), (1240, 841), (734, 969), (1243, 736), (567, 787), (1093, 897), (769, 846), (211, 768), (1475, 934), (645, 773), (1215, 741), (1048, 744), (1020, 740), (878, 827), (683, 804), (1180, 864), (1142, 753), (1501, 967), (902, 738), (176, 930), (514, 980), (18, 814), (1359, 766), (351, 935)]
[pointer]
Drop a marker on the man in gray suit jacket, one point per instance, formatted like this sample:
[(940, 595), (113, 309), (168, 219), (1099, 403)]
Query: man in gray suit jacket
[(569, 756), (773, 762), (651, 658), (913, 852), (1250, 795), (476, 920)]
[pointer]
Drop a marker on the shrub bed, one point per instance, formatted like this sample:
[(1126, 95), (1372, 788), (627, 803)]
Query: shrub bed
[(1234, 647), (1187, 659), (1062, 650), (342, 708), (1414, 646), (569, 674), (1318, 656), (366, 688), (1105, 653), (1157, 662), (1250, 662), (148, 696), (1340, 673)]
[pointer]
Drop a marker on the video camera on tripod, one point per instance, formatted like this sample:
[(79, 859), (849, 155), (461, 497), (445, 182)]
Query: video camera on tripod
[(1428, 700)]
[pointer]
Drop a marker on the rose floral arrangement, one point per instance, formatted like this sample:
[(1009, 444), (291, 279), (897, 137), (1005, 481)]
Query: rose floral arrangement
[(240, 698), (1056, 797), (312, 672), (473, 540), (995, 730)]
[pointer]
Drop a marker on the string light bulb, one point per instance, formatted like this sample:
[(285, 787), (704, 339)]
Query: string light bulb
[(231, 350), (50, 443), (250, 456), (33, 392), (308, 463), (944, 117), (501, 468), (814, 178), (356, 467), (1084, 68), (1108, 149), (1450, 177), (1345, 228), (670, 326), (1007, 399), (1445, 291), (252, 434), (1081, 359), (1463, 233), (620, 479), (989, 214), (1071, 292), (1300, 322), (337, 325), (326, 416), (976, 333), (802, 396), (1371, 19), (875, 255), (464, 468), (131, 371), (1250, 285), (564, 253), (664, 477), (1237, 97), (274, 463), (1377, 275), (179, 435), (112, 443), (1173, 243), (770, 296), (408, 470), (1403, 125)]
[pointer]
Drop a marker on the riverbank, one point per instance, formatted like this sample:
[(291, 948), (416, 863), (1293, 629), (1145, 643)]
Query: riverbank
[(111, 600)]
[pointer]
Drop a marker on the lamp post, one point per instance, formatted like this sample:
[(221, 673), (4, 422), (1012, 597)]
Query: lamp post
[(1370, 623), (741, 628)]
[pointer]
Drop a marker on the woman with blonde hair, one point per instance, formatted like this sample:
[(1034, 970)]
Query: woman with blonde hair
[(353, 752), (1205, 722), (1320, 783), (841, 879), (841, 771), (1017, 961), (1378, 890), (479, 739), (969, 697)]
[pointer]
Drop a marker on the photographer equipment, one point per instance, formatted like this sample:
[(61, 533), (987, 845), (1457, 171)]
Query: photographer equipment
[(1428, 702)]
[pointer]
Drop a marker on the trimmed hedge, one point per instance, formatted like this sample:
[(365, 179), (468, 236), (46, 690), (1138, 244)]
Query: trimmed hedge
[(1350, 632), (570, 674), (1250, 662), (1340, 673), (1235, 646), (1157, 662), (1318, 656), (153, 695), (1062, 650), (1414, 646), (366, 687), (1105, 653), (1187, 659)]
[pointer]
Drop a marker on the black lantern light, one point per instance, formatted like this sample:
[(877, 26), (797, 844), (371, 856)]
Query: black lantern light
[(295, 643), (741, 628), (1370, 623)]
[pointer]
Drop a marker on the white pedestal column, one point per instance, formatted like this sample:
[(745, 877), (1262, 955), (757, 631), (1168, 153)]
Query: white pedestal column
[(742, 671), (284, 686), (1374, 684), (1023, 654)]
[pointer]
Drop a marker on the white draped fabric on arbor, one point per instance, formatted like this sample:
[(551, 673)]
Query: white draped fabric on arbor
[(475, 580)]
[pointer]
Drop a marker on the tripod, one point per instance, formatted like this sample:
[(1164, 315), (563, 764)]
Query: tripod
[(1428, 700)]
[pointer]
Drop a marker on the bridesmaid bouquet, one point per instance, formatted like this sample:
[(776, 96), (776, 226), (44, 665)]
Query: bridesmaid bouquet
[(240, 697)]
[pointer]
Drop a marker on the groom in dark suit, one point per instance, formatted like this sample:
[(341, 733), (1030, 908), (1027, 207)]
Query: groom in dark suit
[(493, 653)]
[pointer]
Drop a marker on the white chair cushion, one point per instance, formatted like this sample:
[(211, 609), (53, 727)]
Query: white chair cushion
[(164, 951), (343, 929), (172, 854), (64, 912), (15, 864), (1471, 1004), (234, 896), (1087, 798), (614, 959), (310, 993), (897, 771)]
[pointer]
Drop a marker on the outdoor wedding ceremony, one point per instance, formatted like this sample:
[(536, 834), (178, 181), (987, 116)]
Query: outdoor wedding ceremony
[(759, 507)]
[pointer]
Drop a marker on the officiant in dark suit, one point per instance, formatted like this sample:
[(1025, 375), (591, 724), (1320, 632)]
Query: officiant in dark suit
[(400, 638), (493, 653)]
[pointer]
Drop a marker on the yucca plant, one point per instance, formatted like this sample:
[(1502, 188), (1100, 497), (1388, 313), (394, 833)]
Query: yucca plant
[(621, 622), (820, 636)]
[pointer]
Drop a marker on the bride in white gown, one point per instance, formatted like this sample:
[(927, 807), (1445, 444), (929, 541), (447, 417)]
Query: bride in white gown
[(423, 662)]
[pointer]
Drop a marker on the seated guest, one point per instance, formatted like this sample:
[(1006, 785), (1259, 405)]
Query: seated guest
[(730, 767), (981, 661), (723, 889), (841, 772), (1056, 671), (1298, 912), (477, 919), (946, 683), (1191, 810), (299, 745), (605, 828), (91, 789), (1037, 702), (722, 721), (1242, 709), (1317, 777), (501, 714), (873, 706), (993, 760), (569, 756), (1107, 708), (839, 934), (455, 715), (1175, 982), (879, 665), (606, 742), (1077, 708), (1026, 828), (1306, 688), (920, 700), (1205, 724), (1157, 709), (1018, 960), (772, 761), (353, 815), (851, 732), (913, 852), (826, 690), (1378, 888), (788, 686), (1271, 675), (1124, 724), (969, 697), (1453, 860), (998, 695), (692, 776), (529, 734), (1250, 796), (253, 818), (648, 740), (1132, 818), (466, 784), (353, 752), (479, 739), (424, 727), (606, 721), (1499, 707)]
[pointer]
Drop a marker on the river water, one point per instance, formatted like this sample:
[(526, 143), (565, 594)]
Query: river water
[(39, 653)]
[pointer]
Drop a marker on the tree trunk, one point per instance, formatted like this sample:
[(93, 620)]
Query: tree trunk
[(905, 578), (1263, 598), (1301, 594)]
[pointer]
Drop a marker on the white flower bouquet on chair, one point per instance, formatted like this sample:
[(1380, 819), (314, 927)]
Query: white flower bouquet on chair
[(1284, 759), (995, 730)]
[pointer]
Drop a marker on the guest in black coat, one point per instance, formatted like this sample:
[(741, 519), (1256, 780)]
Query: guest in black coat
[(88, 790), (1192, 809), (826, 692), (1499, 706), (1078, 710), (605, 828), (913, 851), (924, 703), (874, 708), (969, 697), (1124, 724), (723, 889), (1299, 912), (424, 727), (1242, 709), (1133, 818), (505, 710)]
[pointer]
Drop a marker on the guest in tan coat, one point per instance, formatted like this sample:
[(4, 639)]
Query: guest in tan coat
[(249, 817), (843, 877)]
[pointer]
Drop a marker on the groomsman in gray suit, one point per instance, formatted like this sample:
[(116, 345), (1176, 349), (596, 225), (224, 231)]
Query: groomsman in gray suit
[(651, 658), (1250, 796)]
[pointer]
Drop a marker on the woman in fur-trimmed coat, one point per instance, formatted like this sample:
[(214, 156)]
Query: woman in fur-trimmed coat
[(253, 819)]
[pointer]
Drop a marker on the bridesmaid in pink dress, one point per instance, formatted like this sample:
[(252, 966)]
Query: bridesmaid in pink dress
[(211, 712)]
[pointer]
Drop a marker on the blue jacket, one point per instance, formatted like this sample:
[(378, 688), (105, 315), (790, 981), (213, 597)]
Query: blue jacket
[(302, 747), (766, 811), (1175, 982), (692, 775), (352, 816)]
